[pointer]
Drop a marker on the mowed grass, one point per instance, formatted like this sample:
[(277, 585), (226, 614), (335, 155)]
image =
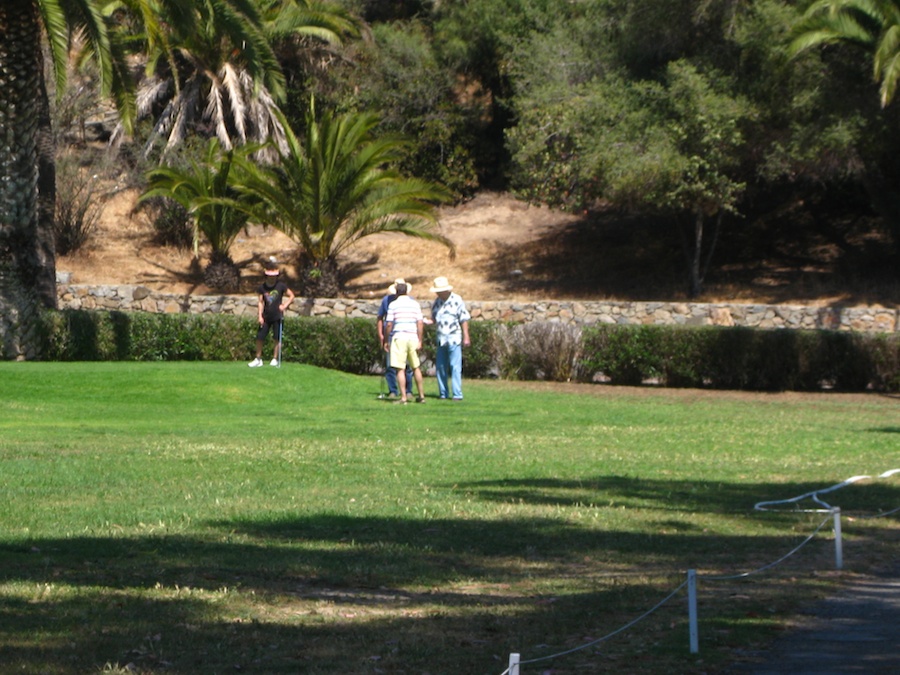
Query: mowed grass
[(212, 518)]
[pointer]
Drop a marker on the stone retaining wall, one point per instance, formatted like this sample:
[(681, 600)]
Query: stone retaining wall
[(864, 319)]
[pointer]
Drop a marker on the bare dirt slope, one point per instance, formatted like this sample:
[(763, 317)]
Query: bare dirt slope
[(483, 230), (509, 250)]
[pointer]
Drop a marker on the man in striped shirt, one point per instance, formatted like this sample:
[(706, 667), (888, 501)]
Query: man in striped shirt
[(404, 324)]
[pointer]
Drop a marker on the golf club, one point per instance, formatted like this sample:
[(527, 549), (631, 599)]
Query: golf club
[(280, 342)]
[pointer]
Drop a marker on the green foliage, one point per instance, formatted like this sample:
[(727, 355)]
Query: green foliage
[(741, 358), (340, 344), (863, 23), (884, 354), (627, 355), (203, 188), (711, 357), (397, 74), (209, 68), (479, 359), (335, 186), (172, 224), (82, 335)]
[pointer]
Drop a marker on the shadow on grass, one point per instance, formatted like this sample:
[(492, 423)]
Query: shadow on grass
[(682, 496), (137, 634), (329, 593)]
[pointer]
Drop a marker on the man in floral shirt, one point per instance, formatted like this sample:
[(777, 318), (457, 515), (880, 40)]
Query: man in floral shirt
[(451, 318)]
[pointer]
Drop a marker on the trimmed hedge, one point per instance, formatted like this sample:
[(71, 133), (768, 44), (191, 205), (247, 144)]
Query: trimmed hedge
[(349, 345), (713, 357), (742, 358)]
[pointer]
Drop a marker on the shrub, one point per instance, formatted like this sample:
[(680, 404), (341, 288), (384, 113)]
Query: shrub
[(78, 207), (884, 352), (349, 345), (171, 222), (538, 351), (682, 356), (626, 355), (722, 358), (746, 358), (479, 359)]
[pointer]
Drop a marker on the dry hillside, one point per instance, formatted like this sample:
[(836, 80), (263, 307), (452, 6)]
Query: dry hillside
[(506, 249)]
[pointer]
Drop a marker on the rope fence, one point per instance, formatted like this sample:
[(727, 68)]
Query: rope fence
[(691, 583)]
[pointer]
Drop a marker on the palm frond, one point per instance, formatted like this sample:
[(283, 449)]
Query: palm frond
[(233, 84), (215, 111), (57, 29), (890, 76), (871, 24)]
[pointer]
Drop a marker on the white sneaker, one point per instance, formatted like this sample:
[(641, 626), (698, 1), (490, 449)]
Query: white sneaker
[(273, 362), (255, 363)]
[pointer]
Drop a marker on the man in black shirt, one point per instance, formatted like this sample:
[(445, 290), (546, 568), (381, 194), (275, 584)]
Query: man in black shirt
[(274, 298)]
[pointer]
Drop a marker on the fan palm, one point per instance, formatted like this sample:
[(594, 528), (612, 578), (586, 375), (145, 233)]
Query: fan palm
[(212, 69), (335, 187), (27, 257), (871, 24)]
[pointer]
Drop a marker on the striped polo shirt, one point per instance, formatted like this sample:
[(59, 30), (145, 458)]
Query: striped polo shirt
[(404, 313)]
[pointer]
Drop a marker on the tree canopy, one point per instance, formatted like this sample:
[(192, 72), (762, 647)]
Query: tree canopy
[(711, 114)]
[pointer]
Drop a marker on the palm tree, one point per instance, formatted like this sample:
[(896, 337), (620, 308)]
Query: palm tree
[(335, 187), (204, 188), (212, 68), (871, 24), (27, 182)]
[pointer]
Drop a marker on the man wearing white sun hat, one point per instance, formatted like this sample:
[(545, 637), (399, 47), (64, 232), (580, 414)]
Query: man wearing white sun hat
[(451, 318)]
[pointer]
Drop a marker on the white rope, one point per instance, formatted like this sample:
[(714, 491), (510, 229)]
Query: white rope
[(772, 564), (883, 514), (814, 495), (606, 637), (760, 506)]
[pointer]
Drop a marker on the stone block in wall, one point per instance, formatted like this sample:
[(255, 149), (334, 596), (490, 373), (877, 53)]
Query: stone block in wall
[(721, 316), (886, 321)]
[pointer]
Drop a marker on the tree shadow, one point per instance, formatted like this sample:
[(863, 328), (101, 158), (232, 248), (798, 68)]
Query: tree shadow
[(599, 256), (791, 256), (614, 492), (90, 633), (397, 594)]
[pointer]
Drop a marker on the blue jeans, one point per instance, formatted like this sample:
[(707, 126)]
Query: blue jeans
[(390, 376), (448, 363)]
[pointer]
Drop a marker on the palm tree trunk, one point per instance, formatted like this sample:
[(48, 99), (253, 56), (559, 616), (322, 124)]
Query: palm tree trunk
[(22, 265), (45, 241)]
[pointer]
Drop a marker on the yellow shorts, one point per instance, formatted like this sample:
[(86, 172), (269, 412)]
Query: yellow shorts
[(404, 351)]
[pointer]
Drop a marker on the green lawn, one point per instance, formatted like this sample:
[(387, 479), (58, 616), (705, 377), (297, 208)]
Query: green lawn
[(212, 518)]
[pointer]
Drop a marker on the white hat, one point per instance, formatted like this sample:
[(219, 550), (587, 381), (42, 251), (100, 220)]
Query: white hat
[(392, 289), (272, 267), (440, 285)]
